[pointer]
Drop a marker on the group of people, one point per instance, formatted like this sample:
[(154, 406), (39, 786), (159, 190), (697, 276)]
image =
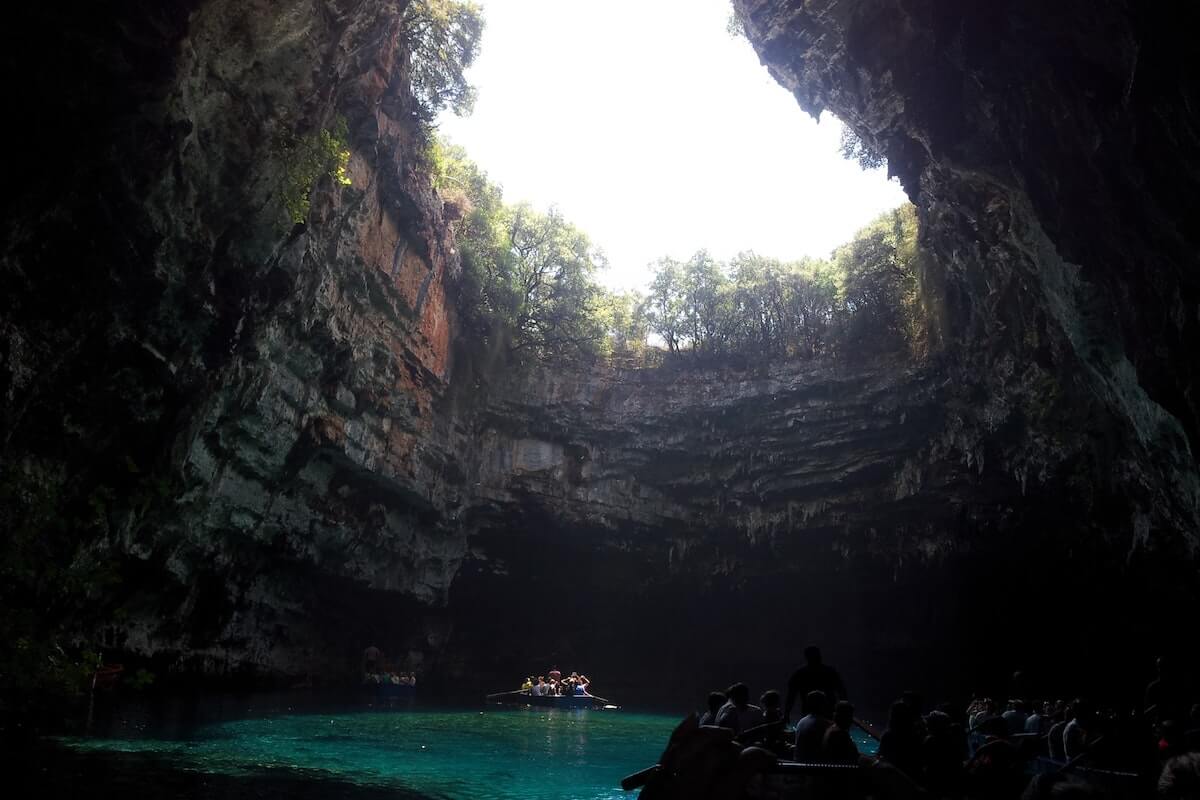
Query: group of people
[(981, 751), (376, 671), (574, 684), (389, 676)]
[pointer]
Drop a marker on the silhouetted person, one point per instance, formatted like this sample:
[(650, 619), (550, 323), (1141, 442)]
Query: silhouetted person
[(899, 745), (914, 701), (838, 746), (942, 755), (1040, 720), (1054, 739), (1180, 778), (772, 715), (1078, 733), (814, 676), (1016, 714), (810, 730), (737, 714), (995, 770), (715, 701)]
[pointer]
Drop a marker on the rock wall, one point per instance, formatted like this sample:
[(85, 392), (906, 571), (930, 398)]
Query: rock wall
[(238, 416), (252, 446)]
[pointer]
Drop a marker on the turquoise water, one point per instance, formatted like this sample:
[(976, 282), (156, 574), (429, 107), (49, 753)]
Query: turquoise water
[(457, 755)]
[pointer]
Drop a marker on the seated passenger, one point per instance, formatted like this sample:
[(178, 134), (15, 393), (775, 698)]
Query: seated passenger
[(527, 685), (770, 703), (737, 714), (899, 745), (1077, 734), (838, 745), (1039, 721), (942, 755), (1014, 717), (715, 701), (810, 730)]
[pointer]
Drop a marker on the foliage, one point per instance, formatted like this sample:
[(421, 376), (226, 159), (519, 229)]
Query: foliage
[(528, 281), (626, 322), (864, 300), (528, 277), (734, 25), (879, 285), (443, 39), (307, 159), (854, 148)]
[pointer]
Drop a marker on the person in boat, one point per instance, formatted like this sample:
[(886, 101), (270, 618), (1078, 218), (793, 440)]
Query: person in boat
[(1180, 778), (372, 660), (838, 746), (899, 745), (1054, 739), (942, 755), (811, 729), (715, 701), (1078, 733), (738, 714), (528, 684), (814, 676), (554, 675)]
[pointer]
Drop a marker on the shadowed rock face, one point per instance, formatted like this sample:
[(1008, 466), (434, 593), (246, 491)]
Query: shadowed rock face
[(273, 439)]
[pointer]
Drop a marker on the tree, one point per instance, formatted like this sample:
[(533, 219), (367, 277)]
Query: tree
[(553, 301), (625, 315), (443, 39), (879, 285), (857, 149), (665, 305)]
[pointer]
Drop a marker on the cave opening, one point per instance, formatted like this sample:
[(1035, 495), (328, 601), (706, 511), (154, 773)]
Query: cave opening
[(273, 386)]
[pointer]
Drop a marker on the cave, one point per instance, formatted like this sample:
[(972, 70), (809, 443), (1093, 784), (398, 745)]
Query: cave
[(237, 450)]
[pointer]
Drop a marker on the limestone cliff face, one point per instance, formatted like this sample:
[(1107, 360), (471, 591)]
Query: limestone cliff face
[(240, 416), (259, 445), (1049, 150)]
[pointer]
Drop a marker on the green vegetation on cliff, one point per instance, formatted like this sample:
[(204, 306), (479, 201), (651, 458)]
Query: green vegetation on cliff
[(529, 279), (443, 41)]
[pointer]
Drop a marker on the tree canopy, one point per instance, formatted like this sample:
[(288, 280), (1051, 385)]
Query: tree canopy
[(443, 39), (529, 281)]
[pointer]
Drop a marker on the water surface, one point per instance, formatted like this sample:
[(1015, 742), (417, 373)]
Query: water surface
[(494, 754)]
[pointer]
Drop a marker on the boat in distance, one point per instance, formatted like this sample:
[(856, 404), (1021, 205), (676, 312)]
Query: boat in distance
[(526, 698)]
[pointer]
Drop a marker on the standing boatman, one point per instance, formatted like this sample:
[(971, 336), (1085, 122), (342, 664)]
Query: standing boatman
[(814, 676)]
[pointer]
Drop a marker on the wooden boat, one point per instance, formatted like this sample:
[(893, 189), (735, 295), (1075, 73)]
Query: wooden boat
[(526, 698), (389, 689)]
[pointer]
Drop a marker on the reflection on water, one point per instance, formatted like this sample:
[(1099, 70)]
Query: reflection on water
[(494, 754)]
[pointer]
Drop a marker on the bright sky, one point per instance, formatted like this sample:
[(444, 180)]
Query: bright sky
[(657, 133)]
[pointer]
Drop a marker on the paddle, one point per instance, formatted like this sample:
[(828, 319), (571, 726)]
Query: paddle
[(506, 694)]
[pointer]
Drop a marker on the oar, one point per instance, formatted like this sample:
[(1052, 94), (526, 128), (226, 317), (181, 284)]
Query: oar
[(638, 779), (763, 728), (504, 694)]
